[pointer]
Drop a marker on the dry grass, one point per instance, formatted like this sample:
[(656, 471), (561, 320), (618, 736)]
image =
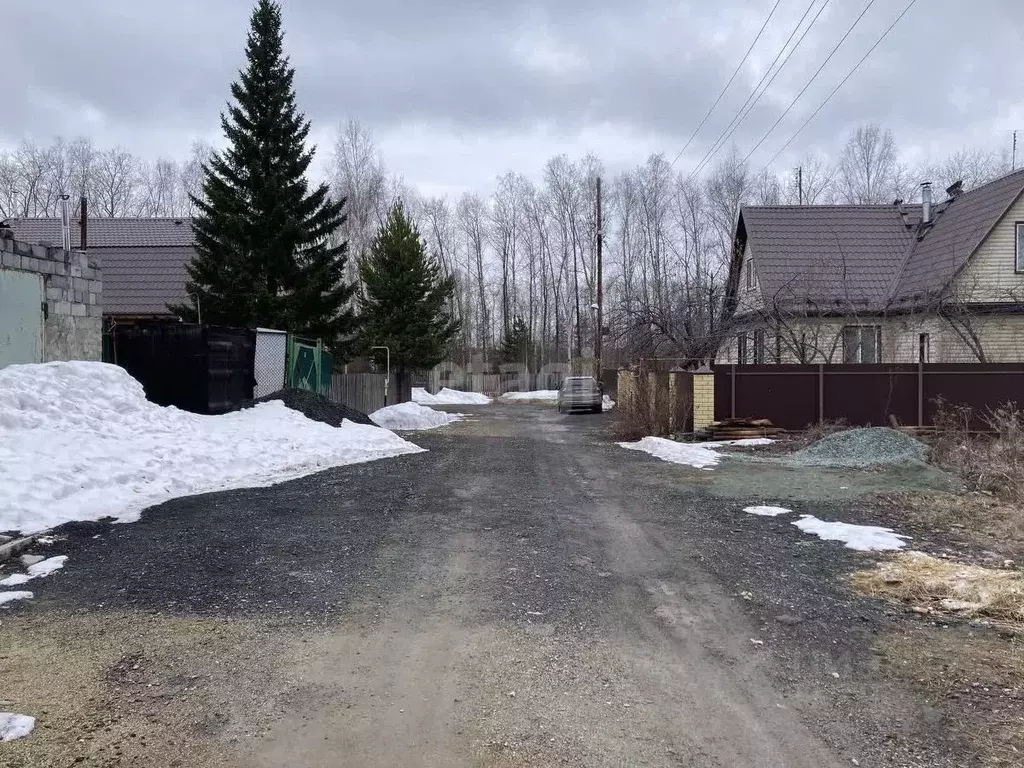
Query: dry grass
[(992, 461), (633, 414), (932, 584)]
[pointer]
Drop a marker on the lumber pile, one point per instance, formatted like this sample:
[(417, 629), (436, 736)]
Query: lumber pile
[(738, 429)]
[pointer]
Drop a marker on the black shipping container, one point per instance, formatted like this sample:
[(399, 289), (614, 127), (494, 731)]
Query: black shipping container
[(202, 369)]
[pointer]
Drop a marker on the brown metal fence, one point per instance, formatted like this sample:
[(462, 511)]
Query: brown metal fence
[(796, 396)]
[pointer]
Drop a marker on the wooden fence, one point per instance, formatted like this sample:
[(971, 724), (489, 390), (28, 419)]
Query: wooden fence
[(500, 383), (365, 391), (796, 396)]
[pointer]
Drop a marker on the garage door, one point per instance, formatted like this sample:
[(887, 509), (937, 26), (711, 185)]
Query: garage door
[(21, 317)]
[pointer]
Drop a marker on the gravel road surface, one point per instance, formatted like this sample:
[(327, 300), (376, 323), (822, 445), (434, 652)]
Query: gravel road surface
[(525, 593)]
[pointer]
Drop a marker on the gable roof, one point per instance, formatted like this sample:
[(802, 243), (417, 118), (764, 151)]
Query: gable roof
[(869, 257), (143, 261)]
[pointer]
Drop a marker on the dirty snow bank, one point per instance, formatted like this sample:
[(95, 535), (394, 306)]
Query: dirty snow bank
[(691, 454), (79, 441), (447, 396), (540, 395), (412, 416), (14, 726), (865, 538), (38, 571)]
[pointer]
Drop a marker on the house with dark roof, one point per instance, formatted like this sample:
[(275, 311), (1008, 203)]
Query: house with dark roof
[(143, 260), (931, 282)]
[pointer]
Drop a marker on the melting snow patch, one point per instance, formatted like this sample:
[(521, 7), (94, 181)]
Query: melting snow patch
[(694, 455), (412, 416), (865, 538), (10, 597), (38, 571), (607, 403), (747, 442), (14, 726), (79, 441), (767, 511), (447, 396), (544, 395)]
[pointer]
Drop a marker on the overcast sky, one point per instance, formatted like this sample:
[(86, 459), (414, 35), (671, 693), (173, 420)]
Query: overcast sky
[(459, 91)]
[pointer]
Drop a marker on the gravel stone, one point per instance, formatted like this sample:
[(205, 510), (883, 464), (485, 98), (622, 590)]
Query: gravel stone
[(313, 406), (865, 447)]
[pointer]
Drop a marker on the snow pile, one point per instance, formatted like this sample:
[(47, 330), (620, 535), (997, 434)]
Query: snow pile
[(14, 726), (412, 416), (861, 448), (607, 403), (10, 597), (767, 511), (746, 442), (691, 454), (865, 538), (540, 395), (447, 396), (79, 441), (38, 571)]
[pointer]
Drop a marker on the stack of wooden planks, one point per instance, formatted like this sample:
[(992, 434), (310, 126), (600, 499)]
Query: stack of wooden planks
[(738, 429)]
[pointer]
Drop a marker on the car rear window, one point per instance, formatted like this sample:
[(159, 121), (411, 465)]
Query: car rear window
[(581, 385)]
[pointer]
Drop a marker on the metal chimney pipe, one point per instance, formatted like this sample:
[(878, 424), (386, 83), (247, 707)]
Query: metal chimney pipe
[(83, 222), (65, 222), (926, 202)]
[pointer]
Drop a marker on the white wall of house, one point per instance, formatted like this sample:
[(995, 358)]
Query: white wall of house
[(991, 275)]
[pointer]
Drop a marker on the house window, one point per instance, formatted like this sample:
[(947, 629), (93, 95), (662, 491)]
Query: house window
[(741, 348), (758, 347), (778, 348), (1020, 246), (924, 351), (750, 274), (862, 344)]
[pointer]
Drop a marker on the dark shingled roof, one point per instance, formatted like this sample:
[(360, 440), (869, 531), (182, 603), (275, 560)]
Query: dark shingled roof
[(837, 257), (143, 260)]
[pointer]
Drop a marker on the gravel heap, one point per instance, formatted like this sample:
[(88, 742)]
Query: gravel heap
[(313, 406), (861, 448)]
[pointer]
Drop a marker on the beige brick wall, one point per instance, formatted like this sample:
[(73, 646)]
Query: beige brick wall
[(703, 400)]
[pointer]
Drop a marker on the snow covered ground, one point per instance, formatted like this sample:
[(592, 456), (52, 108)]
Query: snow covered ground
[(14, 726), (38, 571), (764, 511), (696, 455), (447, 396), (540, 395), (79, 441), (412, 416), (865, 538)]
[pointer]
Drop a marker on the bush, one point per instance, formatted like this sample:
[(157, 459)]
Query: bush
[(992, 461), (633, 411)]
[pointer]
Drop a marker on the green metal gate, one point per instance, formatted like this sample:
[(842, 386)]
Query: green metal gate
[(309, 365)]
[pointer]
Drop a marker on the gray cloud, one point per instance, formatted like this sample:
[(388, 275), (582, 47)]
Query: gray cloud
[(621, 79)]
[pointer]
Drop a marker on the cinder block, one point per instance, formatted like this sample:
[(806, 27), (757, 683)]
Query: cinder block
[(79, 310), (11, 260), (55, 294), (96, 286), (95, 310), (88, 273), (78, 296), (61, 308), (59, 281), (75, 270), (40, 252), (92, 299)]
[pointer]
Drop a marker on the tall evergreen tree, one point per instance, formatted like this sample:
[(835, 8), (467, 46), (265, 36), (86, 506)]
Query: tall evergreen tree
[(406, 301), (263, 238), (517, 347)]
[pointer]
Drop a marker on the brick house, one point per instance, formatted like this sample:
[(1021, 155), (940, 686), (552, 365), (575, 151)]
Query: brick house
[(931, 282)]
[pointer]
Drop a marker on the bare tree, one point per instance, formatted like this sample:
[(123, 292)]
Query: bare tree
[(115, 183), (869, 168), (357, 174)]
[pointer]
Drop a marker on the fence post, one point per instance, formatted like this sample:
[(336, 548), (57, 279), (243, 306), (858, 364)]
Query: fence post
[(920, 392), (821, 393), (732, 397)]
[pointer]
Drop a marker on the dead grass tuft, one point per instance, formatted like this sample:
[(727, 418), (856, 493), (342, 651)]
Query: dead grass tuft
[(992, 461), (633, 419), (932, 584)]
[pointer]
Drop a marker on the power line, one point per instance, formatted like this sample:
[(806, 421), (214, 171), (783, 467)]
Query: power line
[(742, 115), (811, 81), (841, 83), (726, 88)]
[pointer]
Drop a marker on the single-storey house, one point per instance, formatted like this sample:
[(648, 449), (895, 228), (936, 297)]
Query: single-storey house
[(930, 282), (143, 260)]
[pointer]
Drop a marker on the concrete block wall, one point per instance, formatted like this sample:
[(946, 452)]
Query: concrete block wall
[(73, 297)]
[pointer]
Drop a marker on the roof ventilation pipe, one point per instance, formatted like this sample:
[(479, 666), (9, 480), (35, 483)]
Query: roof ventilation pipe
[(926, 202)]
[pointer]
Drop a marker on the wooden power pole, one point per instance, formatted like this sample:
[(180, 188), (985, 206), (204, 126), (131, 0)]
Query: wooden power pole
[(598, 338)]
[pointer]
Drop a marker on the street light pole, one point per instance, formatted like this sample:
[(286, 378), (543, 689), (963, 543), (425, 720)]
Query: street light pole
[(387, 376), (600, 284)]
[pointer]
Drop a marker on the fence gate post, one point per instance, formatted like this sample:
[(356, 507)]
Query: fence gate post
[(732, 396), (821, 393), (920, 393)]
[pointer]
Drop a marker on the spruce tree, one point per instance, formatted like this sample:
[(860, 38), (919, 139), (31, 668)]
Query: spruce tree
[(406, 298), (264, 251), (517, 347)]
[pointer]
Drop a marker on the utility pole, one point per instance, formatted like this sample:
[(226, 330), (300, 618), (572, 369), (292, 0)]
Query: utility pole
[(600, 284), (800, 183), (1013, 162)]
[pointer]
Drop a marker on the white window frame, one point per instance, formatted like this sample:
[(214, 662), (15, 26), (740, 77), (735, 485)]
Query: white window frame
[(751, 279), (924, 347), (877, 329), (1018, 247)]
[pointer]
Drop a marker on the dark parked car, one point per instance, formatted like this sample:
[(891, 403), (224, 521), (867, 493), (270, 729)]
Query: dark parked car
[(580, 393)]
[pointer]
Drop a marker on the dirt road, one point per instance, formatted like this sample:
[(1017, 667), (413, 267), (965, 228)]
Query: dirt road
[(525, 593)]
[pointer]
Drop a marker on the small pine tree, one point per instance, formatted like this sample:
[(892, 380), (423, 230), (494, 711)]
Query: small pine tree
[(406, 298), (517, 346), (263, 254)]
